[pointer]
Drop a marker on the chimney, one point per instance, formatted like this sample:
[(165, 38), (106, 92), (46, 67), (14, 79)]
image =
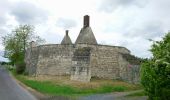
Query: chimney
[(86, 21), (66, 32), (32, 44)]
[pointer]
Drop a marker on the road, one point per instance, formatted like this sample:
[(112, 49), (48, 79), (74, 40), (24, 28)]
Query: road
[(114, 96), (10, 89)]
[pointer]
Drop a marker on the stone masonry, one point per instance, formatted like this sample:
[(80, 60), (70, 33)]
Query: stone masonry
[(83, 60)]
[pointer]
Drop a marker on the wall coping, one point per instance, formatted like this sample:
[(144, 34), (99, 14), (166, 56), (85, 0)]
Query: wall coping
[(81, 44)]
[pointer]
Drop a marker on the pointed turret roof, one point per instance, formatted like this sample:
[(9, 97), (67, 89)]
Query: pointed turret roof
[(66, 39), (86, 35)]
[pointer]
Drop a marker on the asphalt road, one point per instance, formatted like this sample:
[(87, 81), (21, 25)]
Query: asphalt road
[(10, 89), (113, 96)]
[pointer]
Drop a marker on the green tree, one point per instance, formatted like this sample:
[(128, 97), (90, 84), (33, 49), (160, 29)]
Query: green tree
[(17, 42), (155, 72)]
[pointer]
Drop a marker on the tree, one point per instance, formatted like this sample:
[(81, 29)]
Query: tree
[(17, 42), (155, 72)]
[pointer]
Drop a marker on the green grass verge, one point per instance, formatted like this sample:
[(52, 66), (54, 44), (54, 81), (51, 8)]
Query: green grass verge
[(57, 89), (48, 87)]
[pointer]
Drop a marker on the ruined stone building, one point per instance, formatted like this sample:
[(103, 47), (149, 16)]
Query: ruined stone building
[(83, 59)]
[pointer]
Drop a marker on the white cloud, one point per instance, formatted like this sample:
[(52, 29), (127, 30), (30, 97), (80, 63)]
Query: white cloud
[(112, 5), (28, 13), (128, 23), (66, 23)]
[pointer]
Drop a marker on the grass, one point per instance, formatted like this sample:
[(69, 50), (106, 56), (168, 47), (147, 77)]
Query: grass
[(70, 88), (49, 88)]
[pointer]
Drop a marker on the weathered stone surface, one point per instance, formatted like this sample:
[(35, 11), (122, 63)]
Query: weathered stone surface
[(86, 35), (86, 21), (80, 69), (82, 60), (31, 60), (51, 60), (66, 40)]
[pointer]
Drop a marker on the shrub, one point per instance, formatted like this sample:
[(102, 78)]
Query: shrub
[(20, 68), (155, 72), (165, 94)]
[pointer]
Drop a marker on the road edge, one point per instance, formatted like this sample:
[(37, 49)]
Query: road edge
[(35, 93)]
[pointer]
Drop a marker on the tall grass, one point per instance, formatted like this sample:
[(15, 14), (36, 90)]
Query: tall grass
[(48, 87), (59, 89)]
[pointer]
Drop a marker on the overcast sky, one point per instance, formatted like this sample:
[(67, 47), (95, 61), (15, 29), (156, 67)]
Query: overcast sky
[(128, 23)]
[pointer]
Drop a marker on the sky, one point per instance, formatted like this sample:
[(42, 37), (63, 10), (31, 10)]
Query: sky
[(127, 23)]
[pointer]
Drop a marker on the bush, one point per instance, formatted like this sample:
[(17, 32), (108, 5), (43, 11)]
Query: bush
[(20, 68), (10, 67), (155, 72), (165, 94)]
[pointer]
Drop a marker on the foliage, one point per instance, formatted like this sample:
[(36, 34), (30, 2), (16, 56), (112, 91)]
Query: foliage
[(85, 51), (132, 59), (17, 42), (155, 72), (3, 63), (9, 67), (20, 68)]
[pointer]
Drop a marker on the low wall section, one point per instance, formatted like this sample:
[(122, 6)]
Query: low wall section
[(54, 59), (104, 60)]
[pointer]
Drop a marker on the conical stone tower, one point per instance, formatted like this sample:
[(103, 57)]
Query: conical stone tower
[(66, 39), (86, 35)]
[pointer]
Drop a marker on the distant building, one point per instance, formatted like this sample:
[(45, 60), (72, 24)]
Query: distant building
[(83, 59)]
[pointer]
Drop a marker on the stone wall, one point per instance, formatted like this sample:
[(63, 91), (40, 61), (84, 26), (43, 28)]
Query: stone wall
[(31, 60), (103, 62), (54, 60), (81, 70), (123, 67), (51, 59), (115, 48), (129, 71)]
